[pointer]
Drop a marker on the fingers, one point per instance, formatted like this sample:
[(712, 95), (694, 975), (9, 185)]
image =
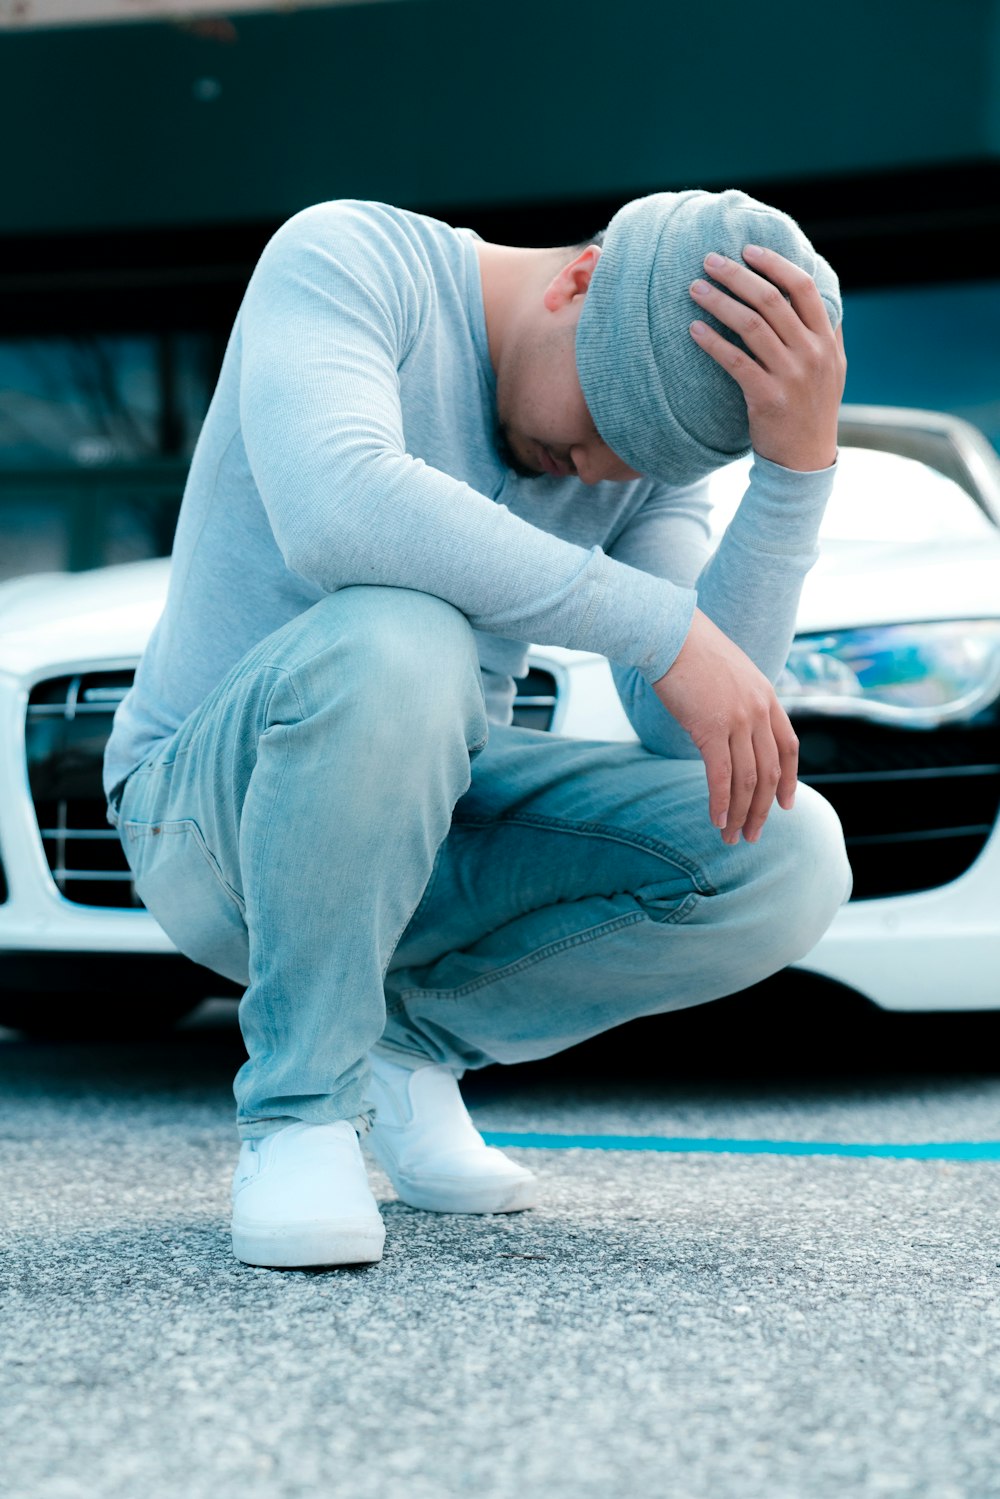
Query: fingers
[(769, 320), (744, 772), (744, 784), (737, 725), (748, 374), (788, 755), (768, 763), (789, 363), (749, 771), (719, 772), (791, 278), (766, 326), (775, 751)]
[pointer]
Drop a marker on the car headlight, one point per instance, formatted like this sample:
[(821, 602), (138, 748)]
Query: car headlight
[(914, 676)]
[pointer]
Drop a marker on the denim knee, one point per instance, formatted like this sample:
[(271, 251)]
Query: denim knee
[(404, 662), (809, 877)]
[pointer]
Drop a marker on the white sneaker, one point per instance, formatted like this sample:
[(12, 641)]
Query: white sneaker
[(430, 1149), (301, 1197)]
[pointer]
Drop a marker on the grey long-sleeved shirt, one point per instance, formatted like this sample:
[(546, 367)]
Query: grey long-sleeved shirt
[(351, 439)]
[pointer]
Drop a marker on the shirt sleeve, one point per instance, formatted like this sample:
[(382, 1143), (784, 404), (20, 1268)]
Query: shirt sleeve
[(330, 312), (749, 586)]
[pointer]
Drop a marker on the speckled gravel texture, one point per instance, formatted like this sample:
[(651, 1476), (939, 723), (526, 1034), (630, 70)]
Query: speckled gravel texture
[(697, 1327)]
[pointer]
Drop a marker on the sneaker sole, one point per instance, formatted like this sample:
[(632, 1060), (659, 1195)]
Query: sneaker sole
[(466, 1197), (313, 1246), (444, 1194)]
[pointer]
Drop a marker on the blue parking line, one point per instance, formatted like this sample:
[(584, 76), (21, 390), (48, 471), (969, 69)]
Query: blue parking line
[(933, 1150)]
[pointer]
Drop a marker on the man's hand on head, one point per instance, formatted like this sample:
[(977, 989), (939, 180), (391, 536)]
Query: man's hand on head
[(739, 728), (793, 377)]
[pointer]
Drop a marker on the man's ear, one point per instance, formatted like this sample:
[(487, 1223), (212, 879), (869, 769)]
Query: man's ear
[(571, 280)]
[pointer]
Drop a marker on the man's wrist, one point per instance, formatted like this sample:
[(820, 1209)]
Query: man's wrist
[(797, 467)]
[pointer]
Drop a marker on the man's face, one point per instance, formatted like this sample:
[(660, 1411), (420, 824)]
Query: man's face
[(544, 424)]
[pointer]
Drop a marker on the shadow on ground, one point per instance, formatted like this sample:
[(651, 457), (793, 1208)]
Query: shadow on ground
[(793, 1029)]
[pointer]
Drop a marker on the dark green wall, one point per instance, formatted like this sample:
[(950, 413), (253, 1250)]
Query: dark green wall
[(434, 102)]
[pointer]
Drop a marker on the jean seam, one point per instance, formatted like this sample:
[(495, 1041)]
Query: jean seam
[(415, 914), (681, 912), (643, 841), (510, 970), (262, 842)]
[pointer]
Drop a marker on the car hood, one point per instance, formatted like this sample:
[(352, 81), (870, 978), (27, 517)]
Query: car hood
[(878, 582), (50, 620)]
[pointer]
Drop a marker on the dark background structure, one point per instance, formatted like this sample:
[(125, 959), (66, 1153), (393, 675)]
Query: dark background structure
[(147, 164)]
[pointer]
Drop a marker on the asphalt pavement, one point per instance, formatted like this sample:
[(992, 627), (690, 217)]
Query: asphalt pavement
[(684, 1322)]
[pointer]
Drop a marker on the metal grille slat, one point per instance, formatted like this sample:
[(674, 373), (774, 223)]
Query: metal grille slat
[(876, 777), (55, 710), (89, 833), (918, 835)]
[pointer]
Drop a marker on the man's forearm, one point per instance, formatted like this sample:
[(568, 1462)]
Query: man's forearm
[(750, 587)]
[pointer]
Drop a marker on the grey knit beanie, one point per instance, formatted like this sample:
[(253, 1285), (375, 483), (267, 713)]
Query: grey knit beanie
[(657, 399)]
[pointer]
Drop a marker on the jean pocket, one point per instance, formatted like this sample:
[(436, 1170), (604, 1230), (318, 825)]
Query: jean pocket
[(180, 883)]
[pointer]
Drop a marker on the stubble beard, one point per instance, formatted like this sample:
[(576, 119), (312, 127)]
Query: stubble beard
[(509, 458)]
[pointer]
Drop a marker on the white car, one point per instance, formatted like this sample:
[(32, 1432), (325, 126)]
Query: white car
[(893, 683)]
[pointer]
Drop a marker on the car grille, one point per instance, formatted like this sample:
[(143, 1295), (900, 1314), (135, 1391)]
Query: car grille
[(917, 807), (68, 723), (535, 699)]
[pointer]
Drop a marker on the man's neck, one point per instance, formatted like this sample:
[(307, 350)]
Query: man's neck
[(512, 277)]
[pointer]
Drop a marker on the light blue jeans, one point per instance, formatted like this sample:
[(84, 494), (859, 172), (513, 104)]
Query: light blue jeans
[(338, 828)]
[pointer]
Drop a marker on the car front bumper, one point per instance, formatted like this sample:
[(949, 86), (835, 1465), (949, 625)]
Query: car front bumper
[(930, 950)]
